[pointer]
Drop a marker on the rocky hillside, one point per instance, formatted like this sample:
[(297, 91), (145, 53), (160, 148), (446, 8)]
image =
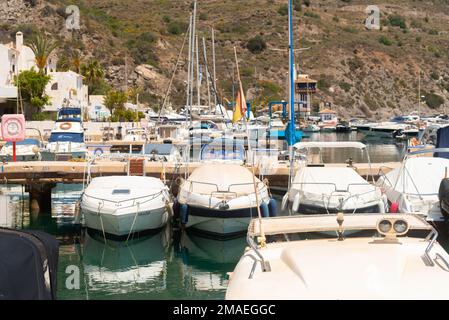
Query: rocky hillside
[(360, 71)]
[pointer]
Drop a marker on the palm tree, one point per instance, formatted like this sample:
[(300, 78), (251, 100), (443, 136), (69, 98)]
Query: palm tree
[(76, 61), (42, 49), (92, 72)]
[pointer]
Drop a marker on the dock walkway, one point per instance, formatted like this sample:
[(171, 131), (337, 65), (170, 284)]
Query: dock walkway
[(40, 172)]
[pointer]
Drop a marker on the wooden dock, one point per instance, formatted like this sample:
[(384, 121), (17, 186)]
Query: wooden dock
[(38, 172)]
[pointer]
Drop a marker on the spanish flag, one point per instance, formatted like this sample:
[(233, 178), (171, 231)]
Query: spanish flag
[(240, 106)]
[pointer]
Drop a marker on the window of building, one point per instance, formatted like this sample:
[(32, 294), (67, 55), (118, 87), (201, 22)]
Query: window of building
[(54, 87)]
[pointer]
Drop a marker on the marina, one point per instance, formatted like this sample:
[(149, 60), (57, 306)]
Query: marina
[(212, 190)]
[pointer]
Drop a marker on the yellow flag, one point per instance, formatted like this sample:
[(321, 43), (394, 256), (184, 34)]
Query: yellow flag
[(240, 106)]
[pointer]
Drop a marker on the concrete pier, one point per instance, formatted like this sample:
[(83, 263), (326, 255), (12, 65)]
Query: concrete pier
[(30, 173)]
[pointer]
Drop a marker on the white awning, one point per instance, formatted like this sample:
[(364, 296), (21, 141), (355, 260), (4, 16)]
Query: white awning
[(337, 144)]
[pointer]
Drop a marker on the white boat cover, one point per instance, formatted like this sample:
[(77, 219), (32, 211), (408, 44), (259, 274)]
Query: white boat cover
[(211, 184), (222, 177), (123, 188), (418, 176), (324, 186)]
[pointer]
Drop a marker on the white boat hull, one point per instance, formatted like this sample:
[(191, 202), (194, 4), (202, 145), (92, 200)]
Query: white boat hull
[(220, 222), (123, 224)]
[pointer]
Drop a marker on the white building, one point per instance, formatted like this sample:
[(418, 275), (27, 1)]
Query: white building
[(66, 88), (97, 110), (63, 86)]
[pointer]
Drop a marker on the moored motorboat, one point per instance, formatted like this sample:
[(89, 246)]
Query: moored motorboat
[(123, 205), (220, 199), (27, 150), (414, 187), (67, 137), (392, 257), (311, 128), (221, 196), (320, 189)]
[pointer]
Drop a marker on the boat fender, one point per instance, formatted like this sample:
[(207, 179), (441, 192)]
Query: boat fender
[(296, 203), (179, 181), (284, 202), (184, 214), (176, 209), (272, 206), (264, 210), (394, 208)]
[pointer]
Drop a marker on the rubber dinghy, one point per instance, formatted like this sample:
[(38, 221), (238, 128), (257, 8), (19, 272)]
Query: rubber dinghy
[(123, 205), (220, 199)]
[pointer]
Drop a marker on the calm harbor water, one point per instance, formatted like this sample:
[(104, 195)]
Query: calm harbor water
[(165, 265)]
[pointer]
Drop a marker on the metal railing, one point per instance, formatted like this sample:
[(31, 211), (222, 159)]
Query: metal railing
[(217, 188), (135, 201)]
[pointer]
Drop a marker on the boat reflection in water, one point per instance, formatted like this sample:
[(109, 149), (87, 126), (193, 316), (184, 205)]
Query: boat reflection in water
[(206, 261), (117, 267)]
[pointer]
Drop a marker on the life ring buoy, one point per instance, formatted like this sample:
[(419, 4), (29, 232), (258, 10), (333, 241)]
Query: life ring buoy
[(98, 152), (66, 126)]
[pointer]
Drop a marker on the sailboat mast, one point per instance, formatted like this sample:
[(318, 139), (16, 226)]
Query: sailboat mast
[(207, 72), (292, 137), (189, 61), (192, 66), (213, 63), (198, 82)]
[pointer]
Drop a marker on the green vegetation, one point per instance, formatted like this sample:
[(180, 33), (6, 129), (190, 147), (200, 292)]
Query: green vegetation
[(44, 116), (177, 27), (397, 21), (433, 100), (385, 41), (32, 89), (115, 100), (256, 45), (434, 75), (142, 48), (323, 84), (127, 115), (93, 74), (355, 64), (283, 10), (268, 91), (42, 48), (345, 86), (312, 15)]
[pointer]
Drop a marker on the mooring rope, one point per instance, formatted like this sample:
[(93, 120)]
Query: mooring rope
[(134, 221), (101, 221)]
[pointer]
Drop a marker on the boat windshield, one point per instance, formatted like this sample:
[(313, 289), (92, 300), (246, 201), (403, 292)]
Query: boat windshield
[(223, 152), (159, 149), (66, 137)]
